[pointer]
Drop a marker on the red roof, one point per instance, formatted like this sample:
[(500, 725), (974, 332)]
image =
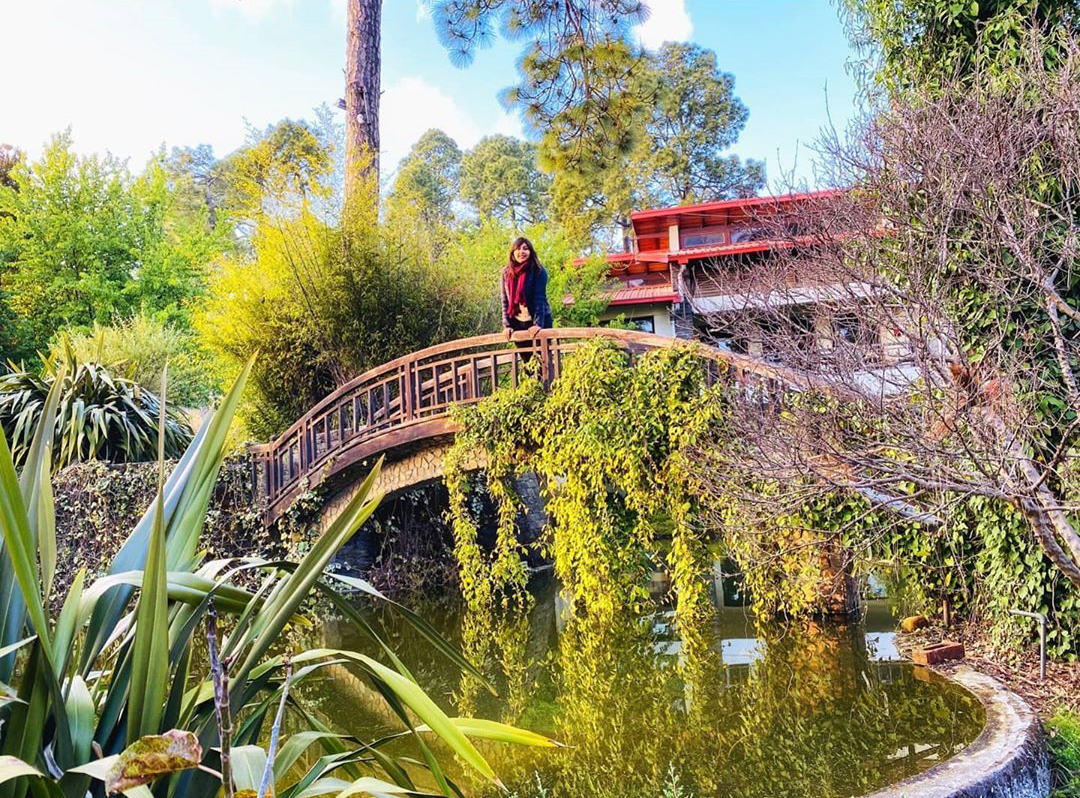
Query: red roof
[(714, 250), (719, 205), (643, 294)]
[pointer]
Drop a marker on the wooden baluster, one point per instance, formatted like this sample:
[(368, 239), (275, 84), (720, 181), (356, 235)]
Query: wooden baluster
[(408, 377)]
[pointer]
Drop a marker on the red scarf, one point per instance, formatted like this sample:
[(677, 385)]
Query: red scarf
[(515, 288)]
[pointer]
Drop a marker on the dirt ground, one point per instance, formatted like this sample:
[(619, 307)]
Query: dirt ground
[(1019, 671)]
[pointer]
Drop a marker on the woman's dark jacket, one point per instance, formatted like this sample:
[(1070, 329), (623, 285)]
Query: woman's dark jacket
[(536, 300)]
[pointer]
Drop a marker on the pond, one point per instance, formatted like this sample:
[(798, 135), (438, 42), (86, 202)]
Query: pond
[(819, 709)]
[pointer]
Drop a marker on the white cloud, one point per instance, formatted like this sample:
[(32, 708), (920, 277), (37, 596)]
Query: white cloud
[(668, 21), (411, 106)]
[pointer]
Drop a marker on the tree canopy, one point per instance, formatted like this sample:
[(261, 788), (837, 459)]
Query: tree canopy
[(428, 178), (686, 115), (83, 240), (694, 116), (500, 179), (925, 43)]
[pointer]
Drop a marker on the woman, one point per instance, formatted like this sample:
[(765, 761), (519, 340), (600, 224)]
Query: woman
[(524, 291)]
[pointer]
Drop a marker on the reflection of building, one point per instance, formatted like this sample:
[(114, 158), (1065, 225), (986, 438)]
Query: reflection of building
[(694, 270)]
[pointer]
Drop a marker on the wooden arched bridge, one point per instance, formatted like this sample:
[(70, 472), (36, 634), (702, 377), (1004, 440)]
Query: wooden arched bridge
[(404, 405)]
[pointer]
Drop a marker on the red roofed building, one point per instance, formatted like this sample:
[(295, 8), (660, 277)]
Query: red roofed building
[(689, 262)]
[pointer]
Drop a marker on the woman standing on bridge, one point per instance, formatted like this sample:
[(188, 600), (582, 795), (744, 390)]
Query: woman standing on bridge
[(524, 291)]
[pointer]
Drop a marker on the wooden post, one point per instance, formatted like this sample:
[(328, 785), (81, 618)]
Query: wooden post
[(545, 363)]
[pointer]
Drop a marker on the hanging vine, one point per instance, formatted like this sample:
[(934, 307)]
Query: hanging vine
[(609, 443)]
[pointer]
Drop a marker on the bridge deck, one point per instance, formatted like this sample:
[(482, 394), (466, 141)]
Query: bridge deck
[(409, 399)]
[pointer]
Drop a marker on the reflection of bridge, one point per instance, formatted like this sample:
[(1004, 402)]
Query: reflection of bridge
[(403, 406)]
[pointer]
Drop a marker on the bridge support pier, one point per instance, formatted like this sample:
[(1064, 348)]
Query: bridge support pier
[(534, 520), (412, 470)]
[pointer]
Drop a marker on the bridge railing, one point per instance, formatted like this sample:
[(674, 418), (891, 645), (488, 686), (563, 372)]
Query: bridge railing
[(395, 403)]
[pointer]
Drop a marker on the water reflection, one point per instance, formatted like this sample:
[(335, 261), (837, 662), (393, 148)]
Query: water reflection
[(814, 709)]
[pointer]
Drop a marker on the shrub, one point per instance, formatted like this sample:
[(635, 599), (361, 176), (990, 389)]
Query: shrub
[(99, 417), (138, 347)]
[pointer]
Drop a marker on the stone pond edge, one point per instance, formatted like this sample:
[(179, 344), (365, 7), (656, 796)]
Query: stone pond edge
[(1007, 760)]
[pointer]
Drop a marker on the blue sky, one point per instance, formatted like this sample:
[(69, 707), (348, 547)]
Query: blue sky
[(129, 75)]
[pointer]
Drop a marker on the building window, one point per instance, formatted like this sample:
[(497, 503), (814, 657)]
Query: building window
[(746, 234), (852, 330), (856, 337), (640, 323), (703, 239)]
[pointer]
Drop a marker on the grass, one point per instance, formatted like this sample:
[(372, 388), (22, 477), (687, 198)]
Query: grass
[(1063, 740)]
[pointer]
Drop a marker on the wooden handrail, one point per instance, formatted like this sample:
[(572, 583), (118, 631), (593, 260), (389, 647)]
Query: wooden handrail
[(409, 399)]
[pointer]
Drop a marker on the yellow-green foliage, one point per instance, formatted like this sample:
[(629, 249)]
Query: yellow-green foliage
[(611, 443), (139, 346), (618, 443), (790, 559), (1064, 744)]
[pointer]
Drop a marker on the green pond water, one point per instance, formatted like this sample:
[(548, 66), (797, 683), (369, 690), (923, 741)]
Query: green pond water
[(823, 710)]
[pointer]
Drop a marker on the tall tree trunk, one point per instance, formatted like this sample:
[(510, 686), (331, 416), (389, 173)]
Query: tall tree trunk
[(362, 102)]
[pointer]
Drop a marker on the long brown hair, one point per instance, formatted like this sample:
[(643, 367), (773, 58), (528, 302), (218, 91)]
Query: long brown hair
[(532, 263)]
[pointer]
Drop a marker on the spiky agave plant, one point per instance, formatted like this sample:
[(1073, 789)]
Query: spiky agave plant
[(107, 694), (99, 416)]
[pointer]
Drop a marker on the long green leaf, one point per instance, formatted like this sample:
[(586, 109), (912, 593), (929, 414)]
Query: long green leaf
[(416, 621), (294, 748), (370, 786), (249, 762), (46, 527), (181, 586), (281, 607), (184, 495), (150, 656), (14, 768), (68, 623), (499, 732), (25, 725), (80, 710), (19, 544), (424, 708), (324, 786), (19, 552), (13, 647)]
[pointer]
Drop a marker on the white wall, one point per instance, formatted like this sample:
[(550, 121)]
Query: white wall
[(659, 311)]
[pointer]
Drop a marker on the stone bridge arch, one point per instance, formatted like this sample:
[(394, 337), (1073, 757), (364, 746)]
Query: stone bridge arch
[(410, 469)]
